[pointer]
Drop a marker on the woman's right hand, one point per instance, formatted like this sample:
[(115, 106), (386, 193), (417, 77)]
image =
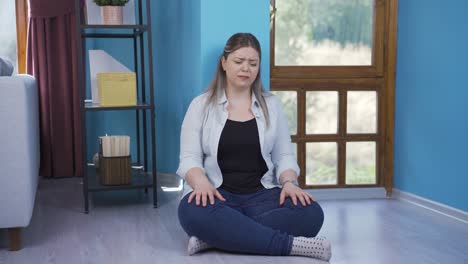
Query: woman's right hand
[(202, 192)]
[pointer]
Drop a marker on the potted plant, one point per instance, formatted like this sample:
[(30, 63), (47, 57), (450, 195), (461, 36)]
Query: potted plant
[(111, 11)]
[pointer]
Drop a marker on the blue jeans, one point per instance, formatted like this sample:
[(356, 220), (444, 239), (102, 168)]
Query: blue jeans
[(251, 223)]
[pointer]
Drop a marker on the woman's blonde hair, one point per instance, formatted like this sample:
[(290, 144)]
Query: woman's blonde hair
[(216, 88)]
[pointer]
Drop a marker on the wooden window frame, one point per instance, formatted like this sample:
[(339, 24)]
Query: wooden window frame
[(306, 72), (378, 77), (21, 7)]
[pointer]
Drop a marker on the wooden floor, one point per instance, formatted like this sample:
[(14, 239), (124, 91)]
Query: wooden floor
[(127, 229)]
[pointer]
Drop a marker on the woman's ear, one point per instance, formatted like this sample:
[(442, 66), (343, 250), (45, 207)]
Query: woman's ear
[(223, 63)]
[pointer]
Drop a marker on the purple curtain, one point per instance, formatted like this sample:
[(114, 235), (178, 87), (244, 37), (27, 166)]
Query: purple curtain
[(52, 60)]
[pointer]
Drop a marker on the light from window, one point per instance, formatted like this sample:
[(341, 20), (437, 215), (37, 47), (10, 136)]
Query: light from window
[(322, 112), (8, 32), (289, 101), (360, 163), (321, 163), (323, 32), (362, 112)]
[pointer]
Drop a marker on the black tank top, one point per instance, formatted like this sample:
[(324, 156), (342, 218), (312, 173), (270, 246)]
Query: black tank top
[(240, 158)]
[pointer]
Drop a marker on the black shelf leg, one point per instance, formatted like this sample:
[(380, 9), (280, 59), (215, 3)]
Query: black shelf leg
[(86, 201)]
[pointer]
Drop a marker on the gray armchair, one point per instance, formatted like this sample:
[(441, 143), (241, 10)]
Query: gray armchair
[(19, 153)]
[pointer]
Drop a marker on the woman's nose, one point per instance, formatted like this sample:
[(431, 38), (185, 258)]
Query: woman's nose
[(244, 67)]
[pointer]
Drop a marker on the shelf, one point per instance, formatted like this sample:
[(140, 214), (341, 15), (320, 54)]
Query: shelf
[(136, 27), (145, 127), (140, 179), (96, 107), (118, 31)]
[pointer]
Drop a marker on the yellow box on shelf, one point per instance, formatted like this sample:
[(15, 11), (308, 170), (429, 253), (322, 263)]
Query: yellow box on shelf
[(117, 88)]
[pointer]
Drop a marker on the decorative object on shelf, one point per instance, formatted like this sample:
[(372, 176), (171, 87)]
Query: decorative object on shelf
[(115, 163), (101, 61), (93, 13), (115, 170), (116, 88), (111, 11), (114, 146)]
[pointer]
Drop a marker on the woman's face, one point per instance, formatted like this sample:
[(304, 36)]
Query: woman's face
[(241, 67)]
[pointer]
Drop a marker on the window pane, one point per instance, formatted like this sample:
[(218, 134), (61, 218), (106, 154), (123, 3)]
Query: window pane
[(323, 32), (362, 112), (289, 101), (360, 163), (322, 112), (321, 164), (8, 31)]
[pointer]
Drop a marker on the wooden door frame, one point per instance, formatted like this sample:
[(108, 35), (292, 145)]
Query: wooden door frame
[(390, 75), (21, 7)]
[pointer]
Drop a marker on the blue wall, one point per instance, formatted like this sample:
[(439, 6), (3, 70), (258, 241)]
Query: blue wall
[(431, 113), (188, 37), (220, 19), (176, 30)]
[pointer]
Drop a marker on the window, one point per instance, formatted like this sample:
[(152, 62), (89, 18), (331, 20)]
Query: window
[(8, 32), (317, 32), (327, 68), (13, 32)]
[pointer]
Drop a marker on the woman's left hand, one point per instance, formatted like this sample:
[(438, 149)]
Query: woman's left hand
[(294, 192)]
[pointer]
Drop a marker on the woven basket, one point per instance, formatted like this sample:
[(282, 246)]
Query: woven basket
[(112, 15), (115, 170)]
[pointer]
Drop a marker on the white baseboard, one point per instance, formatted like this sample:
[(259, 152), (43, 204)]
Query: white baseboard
[(431, 205), (348, 193)]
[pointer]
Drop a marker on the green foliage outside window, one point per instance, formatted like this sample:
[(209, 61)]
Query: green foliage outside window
[(314, 25)]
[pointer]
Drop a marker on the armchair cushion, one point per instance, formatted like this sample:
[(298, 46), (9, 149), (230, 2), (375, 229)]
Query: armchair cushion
[(6, 67)]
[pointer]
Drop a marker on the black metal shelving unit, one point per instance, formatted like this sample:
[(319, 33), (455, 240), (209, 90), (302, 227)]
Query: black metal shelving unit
[(141, 35)]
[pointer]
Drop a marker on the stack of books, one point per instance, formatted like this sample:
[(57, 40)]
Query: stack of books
[(115, 146)]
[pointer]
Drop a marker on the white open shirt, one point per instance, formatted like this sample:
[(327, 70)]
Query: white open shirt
[(201, 131)]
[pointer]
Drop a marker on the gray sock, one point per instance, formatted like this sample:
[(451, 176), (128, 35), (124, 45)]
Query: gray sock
[(196, 245), (315, 247)]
